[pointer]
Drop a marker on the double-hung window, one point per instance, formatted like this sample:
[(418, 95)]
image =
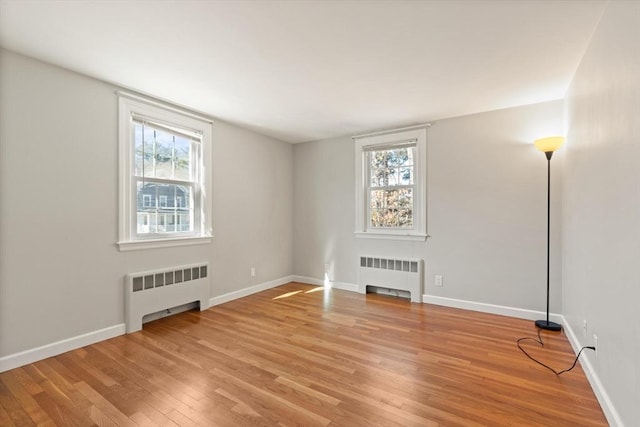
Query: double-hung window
[(165, 175), (391, 184)]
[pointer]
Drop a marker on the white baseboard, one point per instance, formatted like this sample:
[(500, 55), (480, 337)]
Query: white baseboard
[(502, 310), (16, 360), (318, 282), (250, 290), (610, 412), (307, 280), (352, 287)]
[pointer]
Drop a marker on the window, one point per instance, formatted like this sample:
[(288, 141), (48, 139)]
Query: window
[(391, 184), (164, 173)]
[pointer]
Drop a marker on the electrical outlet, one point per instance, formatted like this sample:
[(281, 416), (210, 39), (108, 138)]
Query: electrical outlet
[(253, 272), (584, 328), (438, 280), (595, 344)]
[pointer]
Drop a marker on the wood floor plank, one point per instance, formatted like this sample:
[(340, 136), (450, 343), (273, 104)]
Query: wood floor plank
[(300, 355), (5, 419), (13, 381)]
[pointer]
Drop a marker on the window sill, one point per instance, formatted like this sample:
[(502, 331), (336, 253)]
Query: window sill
[(391, 236), (135, 245)]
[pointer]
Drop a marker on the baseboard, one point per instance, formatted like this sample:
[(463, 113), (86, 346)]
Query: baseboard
[(250, 290), (318, 282), (16, 360), (502, 310), (610, 412), (307, 280)]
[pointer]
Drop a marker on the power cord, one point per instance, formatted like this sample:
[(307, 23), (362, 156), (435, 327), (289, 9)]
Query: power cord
[(539, 341)]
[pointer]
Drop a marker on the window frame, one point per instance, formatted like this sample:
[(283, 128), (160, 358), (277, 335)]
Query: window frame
[(386, 140), (131, 106)]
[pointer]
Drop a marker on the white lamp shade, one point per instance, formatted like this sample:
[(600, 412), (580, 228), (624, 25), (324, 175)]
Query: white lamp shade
[(551, 143)]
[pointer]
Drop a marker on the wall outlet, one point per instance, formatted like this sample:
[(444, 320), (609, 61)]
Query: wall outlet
[(595, 344), (253, 272), (438, 280), (584, 328)]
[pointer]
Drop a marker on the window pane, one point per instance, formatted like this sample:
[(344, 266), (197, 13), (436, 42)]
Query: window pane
[(384, 177), (391, 208), (162, 154), (392, 167), (405, 218), (144, 150), (398, 157), (164, 208), (137, 137), (377, 159), (377, 199), (406, 176), (405, 198), (182, 162)]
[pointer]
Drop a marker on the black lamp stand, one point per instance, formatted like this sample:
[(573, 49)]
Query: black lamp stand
[(547, 324)]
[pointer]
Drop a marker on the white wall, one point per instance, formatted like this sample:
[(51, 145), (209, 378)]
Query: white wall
[(486, 209), (61, 274), (252, 209), (324, 210), (601, 226)]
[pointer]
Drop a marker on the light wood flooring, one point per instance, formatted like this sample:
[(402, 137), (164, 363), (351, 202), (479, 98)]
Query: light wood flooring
[(299, 355)]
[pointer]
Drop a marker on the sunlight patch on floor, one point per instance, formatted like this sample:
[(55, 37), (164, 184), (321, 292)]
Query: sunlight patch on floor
[(287, 295)]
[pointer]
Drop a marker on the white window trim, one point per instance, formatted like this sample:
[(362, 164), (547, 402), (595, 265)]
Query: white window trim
[(386, 138), (130, 104)]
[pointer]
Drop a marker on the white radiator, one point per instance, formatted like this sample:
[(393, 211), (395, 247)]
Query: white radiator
[(401, 274), (152, 291)]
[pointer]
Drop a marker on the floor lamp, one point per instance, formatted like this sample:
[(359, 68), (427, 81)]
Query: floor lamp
[(548, 146)]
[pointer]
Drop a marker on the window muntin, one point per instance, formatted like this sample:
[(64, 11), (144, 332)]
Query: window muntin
[(165, 175)]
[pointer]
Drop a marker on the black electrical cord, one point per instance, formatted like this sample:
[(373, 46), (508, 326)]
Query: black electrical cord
[(539, 341)]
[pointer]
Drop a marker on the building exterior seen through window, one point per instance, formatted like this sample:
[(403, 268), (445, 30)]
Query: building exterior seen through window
[(169, 215)]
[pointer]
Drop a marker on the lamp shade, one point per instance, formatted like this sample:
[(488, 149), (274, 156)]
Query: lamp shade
[(549, 144)]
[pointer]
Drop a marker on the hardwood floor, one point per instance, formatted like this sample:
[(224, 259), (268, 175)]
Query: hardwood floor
[(300, 355)]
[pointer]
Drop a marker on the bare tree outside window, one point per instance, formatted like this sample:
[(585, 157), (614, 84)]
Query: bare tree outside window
[(391, 187)]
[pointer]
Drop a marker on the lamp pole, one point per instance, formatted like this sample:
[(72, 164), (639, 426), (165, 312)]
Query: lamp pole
[(548, 146)]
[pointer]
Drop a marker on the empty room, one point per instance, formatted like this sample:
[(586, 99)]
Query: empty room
[(320, 213)]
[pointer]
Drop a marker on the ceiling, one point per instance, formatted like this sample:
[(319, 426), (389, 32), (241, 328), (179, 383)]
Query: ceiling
[(308, 70)]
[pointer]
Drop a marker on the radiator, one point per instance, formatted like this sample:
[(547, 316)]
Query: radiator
[(400, 274), (152, 291)]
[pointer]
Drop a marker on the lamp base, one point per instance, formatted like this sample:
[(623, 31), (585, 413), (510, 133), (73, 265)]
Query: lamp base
[(548, 325)]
